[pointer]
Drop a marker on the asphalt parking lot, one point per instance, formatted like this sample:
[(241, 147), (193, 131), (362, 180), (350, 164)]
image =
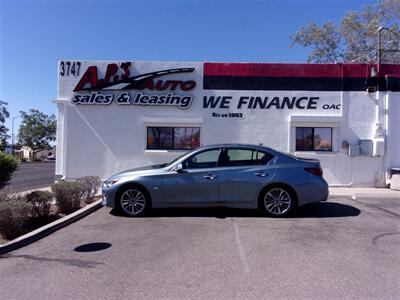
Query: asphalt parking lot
[(342, 249), (31, 176)]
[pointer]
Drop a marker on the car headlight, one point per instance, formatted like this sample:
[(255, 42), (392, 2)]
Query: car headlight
[(109, 183)]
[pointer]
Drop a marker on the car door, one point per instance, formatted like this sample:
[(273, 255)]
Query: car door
[(197, 182), (242, 173)]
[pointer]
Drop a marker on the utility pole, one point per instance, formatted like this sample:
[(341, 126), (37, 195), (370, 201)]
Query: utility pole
[(379, 52), (12, 134)]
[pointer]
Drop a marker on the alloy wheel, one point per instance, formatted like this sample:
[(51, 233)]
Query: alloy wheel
[(277, 201), (133, 202)]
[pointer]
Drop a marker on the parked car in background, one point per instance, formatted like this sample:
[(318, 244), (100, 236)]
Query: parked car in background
[(231, 175)]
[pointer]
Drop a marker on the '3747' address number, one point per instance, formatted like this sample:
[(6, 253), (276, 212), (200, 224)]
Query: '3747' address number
[(70, 68)]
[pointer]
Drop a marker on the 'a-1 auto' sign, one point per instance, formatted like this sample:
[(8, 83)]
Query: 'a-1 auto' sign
[(91, 89)]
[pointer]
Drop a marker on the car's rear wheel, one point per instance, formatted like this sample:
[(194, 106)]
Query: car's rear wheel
[(133, 201), (278, 202)]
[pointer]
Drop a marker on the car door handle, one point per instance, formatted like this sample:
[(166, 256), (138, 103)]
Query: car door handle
[(261, 174), (209, 176)]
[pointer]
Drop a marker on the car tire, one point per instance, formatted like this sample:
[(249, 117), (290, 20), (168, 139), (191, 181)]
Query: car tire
[(133, 201), (278, 202)]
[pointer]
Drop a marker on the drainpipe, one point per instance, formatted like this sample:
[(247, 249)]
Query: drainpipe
[(381, 126), (349, 184)]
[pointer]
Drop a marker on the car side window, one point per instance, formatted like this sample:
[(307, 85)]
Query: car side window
[(242, 157), (262, 158), (202, 160)]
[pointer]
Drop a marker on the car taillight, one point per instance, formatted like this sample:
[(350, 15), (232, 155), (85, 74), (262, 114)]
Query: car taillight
[(315, 171)]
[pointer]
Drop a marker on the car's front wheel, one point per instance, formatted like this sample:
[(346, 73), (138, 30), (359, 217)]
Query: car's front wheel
[(133, 201), (278, 202)]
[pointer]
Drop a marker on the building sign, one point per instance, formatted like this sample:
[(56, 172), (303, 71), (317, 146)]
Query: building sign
[(250, 102), (118, 83), (228, 90)]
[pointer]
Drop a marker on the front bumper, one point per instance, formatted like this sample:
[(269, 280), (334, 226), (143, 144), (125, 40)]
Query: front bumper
[(108, 196)]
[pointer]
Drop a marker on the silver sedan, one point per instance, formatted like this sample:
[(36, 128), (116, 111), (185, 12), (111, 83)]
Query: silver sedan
[(231, 175)]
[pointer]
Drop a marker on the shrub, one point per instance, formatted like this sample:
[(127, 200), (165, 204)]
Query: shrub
[(23, 159), (14, 216), (3, 196), (8, 164), (90, 186), (41, 202), (68, 196)]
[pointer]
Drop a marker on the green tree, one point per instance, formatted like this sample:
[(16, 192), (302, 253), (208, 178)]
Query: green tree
[(37, 130), (355, 38), (8, 165), (4, 114)]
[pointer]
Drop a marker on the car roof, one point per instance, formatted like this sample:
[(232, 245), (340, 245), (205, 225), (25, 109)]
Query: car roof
[(233, 145), (271, 151)]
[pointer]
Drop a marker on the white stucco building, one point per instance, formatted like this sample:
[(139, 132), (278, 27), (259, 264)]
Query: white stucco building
[(117, 115)]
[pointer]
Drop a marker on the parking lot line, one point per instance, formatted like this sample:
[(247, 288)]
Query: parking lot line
[(242, 253)]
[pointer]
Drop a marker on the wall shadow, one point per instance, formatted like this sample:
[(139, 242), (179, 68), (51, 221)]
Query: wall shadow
[(314, 210), (80, 263)]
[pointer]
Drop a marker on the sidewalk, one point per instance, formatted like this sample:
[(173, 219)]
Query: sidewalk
[(46, 189), (333, 192), (363, 192)]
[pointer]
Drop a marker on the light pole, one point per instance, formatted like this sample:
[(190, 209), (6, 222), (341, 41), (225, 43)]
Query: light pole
[(379, 48), (379, 52), (12, 134)]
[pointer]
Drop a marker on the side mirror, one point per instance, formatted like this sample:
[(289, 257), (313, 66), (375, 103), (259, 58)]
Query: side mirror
[(178, 168)]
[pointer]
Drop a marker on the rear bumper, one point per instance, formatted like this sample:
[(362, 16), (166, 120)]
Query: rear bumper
[(326, 195), (314, 191)]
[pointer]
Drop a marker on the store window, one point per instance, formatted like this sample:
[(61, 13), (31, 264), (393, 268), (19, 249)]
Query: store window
[(313, 139), (173, 138)]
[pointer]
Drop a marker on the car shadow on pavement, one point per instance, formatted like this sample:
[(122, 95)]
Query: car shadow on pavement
[(327, 210), (314, 210)]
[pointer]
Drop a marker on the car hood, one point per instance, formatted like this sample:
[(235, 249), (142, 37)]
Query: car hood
[(153, 169)]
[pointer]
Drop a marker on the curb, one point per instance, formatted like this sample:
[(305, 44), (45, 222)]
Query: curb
[(360, 195), (43, 231), (378, 193)]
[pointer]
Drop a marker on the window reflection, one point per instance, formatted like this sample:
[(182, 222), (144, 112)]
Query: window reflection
[(323, 139), (178, 138), (313, 139), (186, 137)]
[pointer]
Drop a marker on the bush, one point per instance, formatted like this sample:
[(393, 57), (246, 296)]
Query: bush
[(14, 216), (90, 186), (68, 196), (3, 196), (41, 202), (8, 164)]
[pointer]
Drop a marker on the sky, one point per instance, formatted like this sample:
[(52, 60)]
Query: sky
[(35, 34)]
